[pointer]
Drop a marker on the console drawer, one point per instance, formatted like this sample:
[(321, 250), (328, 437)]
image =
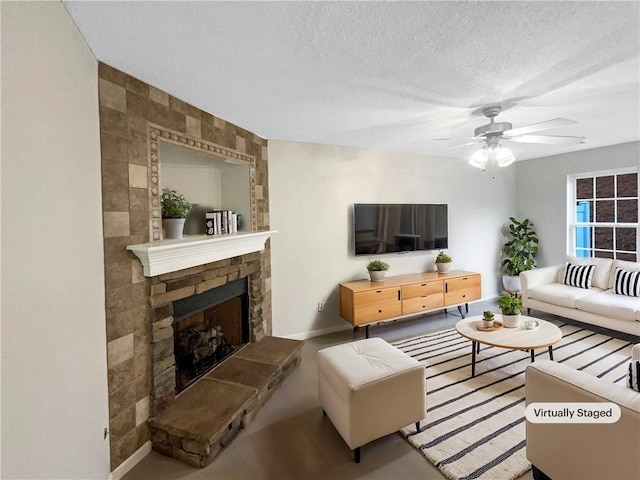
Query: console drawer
[(421, 289), (375, 305)]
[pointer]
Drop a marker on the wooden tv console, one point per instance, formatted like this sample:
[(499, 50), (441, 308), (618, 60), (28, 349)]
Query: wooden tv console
[(363, 302)]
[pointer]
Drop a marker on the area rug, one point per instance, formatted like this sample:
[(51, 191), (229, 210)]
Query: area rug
[(475, 427)]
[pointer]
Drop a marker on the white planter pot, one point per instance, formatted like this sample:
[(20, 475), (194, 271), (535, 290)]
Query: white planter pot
[(443, 267), (173, 227), (376, 275), (511, 321), (512, 283)]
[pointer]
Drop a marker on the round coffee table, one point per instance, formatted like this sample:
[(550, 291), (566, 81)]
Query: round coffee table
[(519, 338)]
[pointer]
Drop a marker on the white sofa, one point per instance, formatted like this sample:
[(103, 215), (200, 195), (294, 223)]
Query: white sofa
[(593, 451), (543, 290)]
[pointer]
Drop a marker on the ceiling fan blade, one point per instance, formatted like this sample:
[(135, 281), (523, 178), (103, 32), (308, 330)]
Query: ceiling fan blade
[(548, 139), (457, 138), (466, 144), (536, 127)]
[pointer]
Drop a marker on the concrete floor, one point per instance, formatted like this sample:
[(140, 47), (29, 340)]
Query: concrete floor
[(290, 439)]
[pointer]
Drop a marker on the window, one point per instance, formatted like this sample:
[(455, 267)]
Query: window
[(603, 213)]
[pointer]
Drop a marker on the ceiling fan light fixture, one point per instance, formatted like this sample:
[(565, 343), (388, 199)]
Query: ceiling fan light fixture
[(503, 156), (497, 154), (480, 159)]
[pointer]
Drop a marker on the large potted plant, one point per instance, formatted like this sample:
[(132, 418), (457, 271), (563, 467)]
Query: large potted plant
[(174, 211), (510, 305), (377, 270), (521, 251)]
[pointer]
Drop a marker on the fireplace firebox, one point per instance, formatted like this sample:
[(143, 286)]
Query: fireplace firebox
[(209, 327)]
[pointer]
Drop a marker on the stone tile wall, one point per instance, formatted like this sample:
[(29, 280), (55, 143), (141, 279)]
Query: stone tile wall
[(127, 107)]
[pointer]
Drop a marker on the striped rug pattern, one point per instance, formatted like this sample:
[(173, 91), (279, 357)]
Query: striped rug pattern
[(475, 427)]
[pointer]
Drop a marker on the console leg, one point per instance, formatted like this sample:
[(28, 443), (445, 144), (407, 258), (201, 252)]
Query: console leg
[(356, 455), (460, 310), (533, 356), (550, 352), (466, 307), (366, 331)]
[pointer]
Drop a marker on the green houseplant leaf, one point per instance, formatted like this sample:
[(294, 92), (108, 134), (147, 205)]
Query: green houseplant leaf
[(377, 266), (174, 205), (522, 249)]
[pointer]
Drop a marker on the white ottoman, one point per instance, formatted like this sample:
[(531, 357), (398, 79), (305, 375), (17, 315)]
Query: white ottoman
[(369, 389)]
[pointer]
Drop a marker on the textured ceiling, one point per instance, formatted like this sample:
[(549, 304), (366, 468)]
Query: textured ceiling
[(389, 75)]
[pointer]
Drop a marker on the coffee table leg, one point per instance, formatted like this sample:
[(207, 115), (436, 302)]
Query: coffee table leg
[(550, 352), (533, 356), (473, 357)]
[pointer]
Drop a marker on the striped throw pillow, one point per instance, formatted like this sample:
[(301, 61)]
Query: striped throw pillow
[(633, 380), (626, 283), (578, 275)]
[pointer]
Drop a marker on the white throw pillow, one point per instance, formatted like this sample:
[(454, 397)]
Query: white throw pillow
[(602, 275), (580, 276), (626, 283)]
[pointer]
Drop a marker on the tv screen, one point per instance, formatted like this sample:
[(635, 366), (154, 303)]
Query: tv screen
[(399, 227)]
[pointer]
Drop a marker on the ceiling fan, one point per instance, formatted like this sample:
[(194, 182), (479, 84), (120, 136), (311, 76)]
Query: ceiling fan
[(494, 133)]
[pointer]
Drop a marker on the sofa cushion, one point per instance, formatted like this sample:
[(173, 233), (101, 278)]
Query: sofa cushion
[(578, 275), (602, 274), (629, 266), (559, 294), (626, 283), (608, 304)]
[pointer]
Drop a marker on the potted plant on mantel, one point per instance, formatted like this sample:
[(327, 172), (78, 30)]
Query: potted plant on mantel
[(174, 211), (443, 262), (510, 305), (377, 270), (520, 251)]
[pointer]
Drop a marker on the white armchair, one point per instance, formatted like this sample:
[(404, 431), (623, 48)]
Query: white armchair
[(582, 451)]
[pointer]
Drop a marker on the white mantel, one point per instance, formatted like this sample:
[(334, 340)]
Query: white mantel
[(193, 250)]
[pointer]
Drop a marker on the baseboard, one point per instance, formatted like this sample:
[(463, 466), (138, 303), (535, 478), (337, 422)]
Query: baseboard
[(348, 326), (122, 469), (317, 333)]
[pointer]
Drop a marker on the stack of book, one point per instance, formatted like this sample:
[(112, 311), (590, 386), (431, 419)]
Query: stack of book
[(220, 222)]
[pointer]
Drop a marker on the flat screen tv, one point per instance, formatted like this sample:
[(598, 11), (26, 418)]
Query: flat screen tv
[(399, 227)]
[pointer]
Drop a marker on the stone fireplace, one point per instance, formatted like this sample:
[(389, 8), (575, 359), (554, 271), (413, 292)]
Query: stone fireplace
[(182, 305), (140, 301)]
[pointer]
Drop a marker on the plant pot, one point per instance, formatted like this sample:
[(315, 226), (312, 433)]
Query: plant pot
[(376, 275), (487, 323), (511, 321), (511, 283), (173, 227), (443, 267)]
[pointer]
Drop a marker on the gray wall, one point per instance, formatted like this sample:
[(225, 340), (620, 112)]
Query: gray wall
[(541, 191), (312, 189)]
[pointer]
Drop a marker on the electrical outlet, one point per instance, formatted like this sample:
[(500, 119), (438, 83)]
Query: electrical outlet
[(320, 306)]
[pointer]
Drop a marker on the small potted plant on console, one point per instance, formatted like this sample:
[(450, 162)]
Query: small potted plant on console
[(487, 318), (377, 270), (510, 305), (443, 262)]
